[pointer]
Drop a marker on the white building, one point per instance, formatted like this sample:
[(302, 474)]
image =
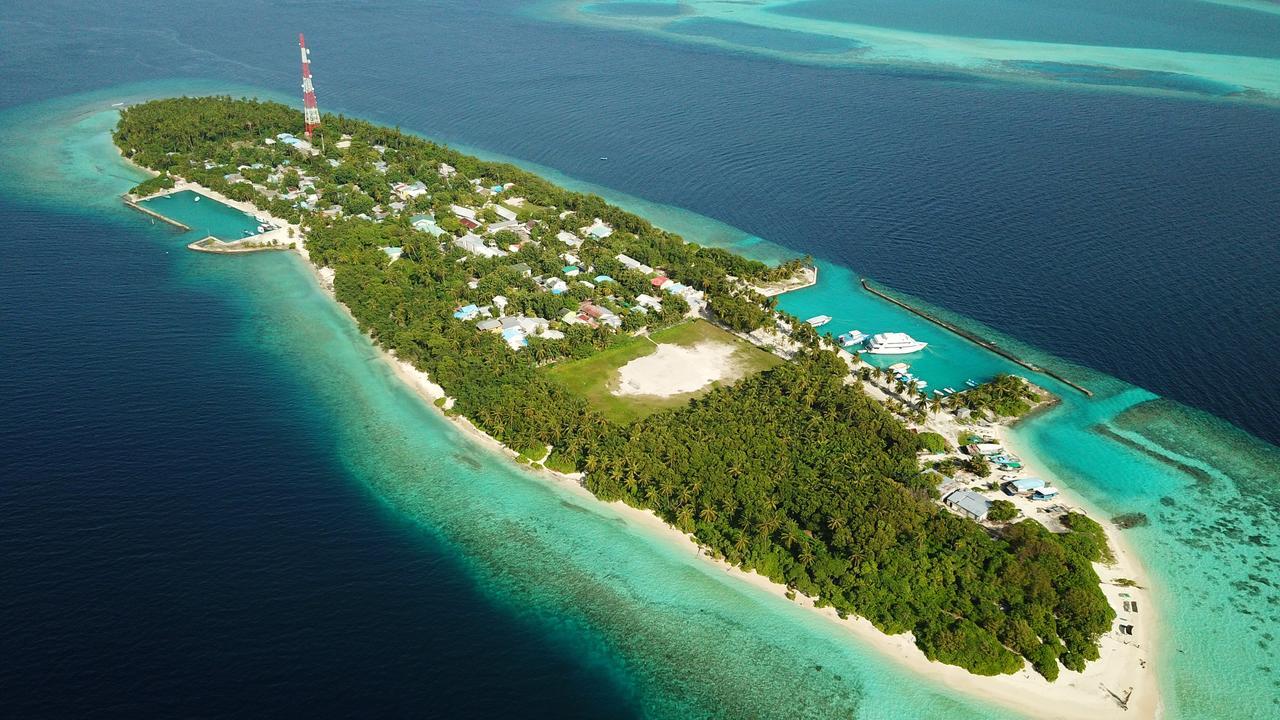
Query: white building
[(649, 301), (475, 245)]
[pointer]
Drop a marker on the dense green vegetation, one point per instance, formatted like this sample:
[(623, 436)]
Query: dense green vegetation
[(933, 442), (1002, 511), (1004, 395), (790, 472)]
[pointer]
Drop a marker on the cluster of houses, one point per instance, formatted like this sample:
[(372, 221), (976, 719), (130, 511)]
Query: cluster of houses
[(974, 505), (482, 225), (515, 330), (296, 143), (591, 313)]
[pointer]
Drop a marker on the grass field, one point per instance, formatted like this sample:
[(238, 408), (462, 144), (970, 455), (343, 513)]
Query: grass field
[(596, 377)]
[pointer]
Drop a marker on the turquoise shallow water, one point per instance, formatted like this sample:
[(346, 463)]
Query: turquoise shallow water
[(1187, 47), (204, 216), (1181, 25), (682, 636)]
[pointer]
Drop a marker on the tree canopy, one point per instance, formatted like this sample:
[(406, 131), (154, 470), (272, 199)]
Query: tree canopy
[(791, 472)]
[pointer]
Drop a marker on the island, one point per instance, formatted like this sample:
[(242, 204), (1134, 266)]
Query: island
[(656, 372)]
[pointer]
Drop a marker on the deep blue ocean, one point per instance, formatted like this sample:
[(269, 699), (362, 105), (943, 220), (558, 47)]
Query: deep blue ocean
[(202, 513)]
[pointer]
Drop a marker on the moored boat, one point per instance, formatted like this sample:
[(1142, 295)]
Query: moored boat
[(894, 343), (819, 320), (851, 338)]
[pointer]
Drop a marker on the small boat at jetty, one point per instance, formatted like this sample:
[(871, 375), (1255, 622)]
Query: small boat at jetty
[(851, 338), (894, 343), (819, 320), (970, 382)]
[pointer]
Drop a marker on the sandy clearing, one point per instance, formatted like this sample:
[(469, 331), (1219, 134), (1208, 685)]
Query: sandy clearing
[(677, 369)]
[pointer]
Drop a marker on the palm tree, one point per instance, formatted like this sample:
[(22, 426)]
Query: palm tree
[(835, 523), (792, 535), (741, 544), (684, 518), (769, 524), (708, 513), (806, 555)]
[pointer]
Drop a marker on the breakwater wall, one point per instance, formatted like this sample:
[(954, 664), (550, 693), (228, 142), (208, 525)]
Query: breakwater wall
[(975, 339), (129, 201)]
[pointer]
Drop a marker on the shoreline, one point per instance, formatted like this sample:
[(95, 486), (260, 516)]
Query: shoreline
[(1025, 691), (1071, 696)]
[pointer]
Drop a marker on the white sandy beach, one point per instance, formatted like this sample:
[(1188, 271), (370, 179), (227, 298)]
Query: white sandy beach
[(1126, 661)]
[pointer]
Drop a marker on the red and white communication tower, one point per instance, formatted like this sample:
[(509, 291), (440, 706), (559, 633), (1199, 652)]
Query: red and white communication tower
[(310, 113)]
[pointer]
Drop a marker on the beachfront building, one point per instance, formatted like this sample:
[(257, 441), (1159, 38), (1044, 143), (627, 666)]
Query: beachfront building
[(1024, 486), (969, 503), (505, 213)]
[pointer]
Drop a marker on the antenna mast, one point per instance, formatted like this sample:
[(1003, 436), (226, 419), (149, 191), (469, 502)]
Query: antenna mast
[(310, 113)]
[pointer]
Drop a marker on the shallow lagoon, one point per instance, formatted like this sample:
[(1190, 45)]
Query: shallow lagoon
[(1181, 25), (1184, 47)]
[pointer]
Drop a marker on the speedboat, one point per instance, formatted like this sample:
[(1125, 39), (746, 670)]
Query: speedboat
[(970, 382), (819, 320), (851, 338), (894, 343)]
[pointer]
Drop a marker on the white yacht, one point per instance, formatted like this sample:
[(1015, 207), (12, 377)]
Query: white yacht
[(851, 338), (893, 343), (819, 320)]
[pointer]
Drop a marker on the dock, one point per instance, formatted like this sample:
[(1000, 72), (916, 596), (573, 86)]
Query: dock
[(975, 339), (131, 203)]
